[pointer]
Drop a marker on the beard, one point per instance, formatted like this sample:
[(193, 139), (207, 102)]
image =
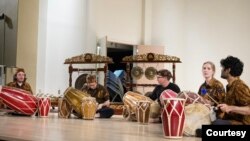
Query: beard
[(224, 76)]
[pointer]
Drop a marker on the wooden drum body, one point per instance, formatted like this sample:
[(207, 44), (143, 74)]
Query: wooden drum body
[(89, 106), (74, 98), (143, 111), (130, 100)]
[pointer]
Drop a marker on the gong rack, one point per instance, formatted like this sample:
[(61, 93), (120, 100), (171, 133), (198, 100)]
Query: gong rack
[(147, 58), (88, 58)]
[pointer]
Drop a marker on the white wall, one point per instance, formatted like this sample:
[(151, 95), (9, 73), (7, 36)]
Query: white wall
[(168, 30), (201, 30), (65, 29), (73, 27), (194, 30), (120, 20), (27, 38)]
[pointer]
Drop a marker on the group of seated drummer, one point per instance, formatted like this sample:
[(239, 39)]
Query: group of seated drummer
[(95, 90), (233, 103)]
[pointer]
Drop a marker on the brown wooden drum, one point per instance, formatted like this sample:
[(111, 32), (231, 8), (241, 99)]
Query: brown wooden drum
[(74, 98), (143, 111), (64, 109), (130, 100), (89, 106)]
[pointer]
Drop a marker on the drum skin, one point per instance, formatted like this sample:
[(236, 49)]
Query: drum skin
[(130, 100), (74, 98), (19, 100), (197, 114), (167, 94)]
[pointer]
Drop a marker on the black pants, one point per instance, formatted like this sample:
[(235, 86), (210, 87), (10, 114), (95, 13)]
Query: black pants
[(105, 112), (221, 122)]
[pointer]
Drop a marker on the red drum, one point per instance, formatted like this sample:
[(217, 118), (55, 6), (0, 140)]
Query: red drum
[(43, 106), (143, 111), (167, 94), (19, 100), (173, 117), (191, 97)]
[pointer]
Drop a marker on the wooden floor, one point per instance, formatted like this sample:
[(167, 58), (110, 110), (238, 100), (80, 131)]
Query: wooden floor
[(53, 128)]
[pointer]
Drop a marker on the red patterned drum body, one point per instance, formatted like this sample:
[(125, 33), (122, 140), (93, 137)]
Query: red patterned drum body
[(167, 94), (19, 100), (43, 106), (143, 111), (173, 117), (192, 97), (89, 106)]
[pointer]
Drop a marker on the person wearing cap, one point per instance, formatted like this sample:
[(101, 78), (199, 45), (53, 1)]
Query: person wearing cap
[(163, 78), (19, 81), (101, 95)]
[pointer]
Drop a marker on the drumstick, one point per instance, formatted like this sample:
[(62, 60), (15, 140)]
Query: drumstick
[(204, 92), (217, 103)]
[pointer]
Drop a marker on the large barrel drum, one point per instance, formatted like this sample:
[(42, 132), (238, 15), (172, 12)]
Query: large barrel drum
[(75, 97), (19, 100)]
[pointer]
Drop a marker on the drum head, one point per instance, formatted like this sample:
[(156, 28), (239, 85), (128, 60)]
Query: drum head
[(80, 81), (197, 114)]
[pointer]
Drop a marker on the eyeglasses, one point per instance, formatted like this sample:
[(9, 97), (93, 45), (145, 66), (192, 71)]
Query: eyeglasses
[(159, 77)]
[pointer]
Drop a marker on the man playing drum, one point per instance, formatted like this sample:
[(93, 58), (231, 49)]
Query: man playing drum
[(163, 78), (238, 93), (101, 94)]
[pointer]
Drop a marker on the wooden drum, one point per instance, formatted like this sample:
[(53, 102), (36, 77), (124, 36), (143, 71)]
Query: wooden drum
[(130, 100), (89, 106), (74, 98)]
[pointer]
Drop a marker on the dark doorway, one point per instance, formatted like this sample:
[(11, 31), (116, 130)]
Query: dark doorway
[(116, 82)]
